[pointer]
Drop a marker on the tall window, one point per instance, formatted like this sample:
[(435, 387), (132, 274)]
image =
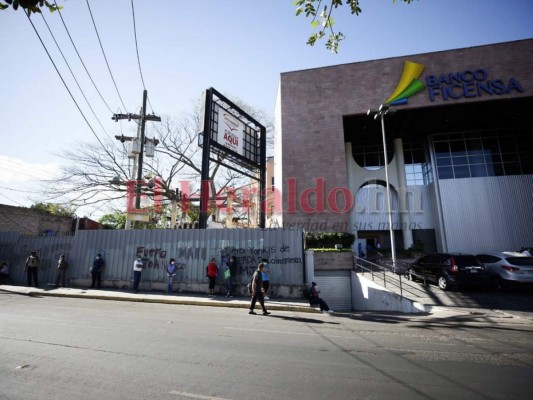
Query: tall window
[(479, 154), (417, 169)]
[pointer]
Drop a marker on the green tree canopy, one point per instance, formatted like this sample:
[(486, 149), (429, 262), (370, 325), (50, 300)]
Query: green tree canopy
[(53, 209), (321, 12), (30, 6)]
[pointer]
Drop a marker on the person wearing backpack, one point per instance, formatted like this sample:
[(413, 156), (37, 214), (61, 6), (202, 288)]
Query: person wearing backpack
[(256, 286), (31, 268)]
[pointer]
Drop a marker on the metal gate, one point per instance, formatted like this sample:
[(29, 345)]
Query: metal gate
[(335, 288)]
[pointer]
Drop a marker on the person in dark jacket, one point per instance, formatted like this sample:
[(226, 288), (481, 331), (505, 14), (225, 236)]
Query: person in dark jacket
[(31, 268), (231, 269), (257, 290), (96, 271)]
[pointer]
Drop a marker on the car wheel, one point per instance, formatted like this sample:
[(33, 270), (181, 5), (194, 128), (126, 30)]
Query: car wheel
[(499, 284), (442, 281)]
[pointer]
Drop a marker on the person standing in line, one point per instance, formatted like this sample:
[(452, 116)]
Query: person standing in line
[(257, 290), (32, 267), (62, 265), (96, 271), (211, 273), (171, 272), (231, 269), (314, 298), (266, 279), (137, 270)]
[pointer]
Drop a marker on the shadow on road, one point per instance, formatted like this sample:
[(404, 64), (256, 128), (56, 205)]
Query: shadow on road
[(304, 320)]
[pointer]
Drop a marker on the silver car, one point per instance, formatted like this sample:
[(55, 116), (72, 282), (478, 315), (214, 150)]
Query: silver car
[(507, 268)]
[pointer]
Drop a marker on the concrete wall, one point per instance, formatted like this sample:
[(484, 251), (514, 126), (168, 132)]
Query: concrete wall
[(369, 296), (31, 222)]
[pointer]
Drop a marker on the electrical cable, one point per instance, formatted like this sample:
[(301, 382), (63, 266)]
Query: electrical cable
[(138, 58), (73, 76), (103, 53), (64, 83), (79, 56)]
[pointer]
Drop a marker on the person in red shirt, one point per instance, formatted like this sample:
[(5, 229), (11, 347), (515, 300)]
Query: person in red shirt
[(211, 272)]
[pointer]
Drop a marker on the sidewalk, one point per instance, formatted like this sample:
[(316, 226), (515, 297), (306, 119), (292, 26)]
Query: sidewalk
[(150, 297)]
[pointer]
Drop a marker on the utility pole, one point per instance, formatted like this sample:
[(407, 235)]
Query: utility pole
[(143, 117)]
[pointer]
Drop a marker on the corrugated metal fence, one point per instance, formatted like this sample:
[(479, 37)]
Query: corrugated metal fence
[(192, 250)]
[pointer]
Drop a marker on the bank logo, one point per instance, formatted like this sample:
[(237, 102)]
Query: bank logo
[(408, 84)]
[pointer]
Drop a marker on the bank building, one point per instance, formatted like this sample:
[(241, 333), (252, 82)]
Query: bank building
[(458, 132)]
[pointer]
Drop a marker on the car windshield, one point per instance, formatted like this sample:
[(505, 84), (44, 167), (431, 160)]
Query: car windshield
[(465, 261), (523, 261)]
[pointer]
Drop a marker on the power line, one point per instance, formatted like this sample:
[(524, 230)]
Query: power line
[(137, 49), (73, 76), (103, 52), (64, 83), (82, 63)]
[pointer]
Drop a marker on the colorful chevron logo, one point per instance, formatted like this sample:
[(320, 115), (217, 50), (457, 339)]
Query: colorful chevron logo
[(408, 84)]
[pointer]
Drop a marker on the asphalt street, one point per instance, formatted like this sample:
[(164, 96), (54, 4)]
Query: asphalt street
[(69, 348)]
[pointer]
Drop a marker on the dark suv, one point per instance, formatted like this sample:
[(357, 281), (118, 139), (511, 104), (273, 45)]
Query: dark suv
[(448, 270)]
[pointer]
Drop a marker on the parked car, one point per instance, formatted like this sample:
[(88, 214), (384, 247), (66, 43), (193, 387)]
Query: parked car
[(448, 270), (507, 268)]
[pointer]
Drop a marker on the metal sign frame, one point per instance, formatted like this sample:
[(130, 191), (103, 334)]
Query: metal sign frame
[(252, 161)]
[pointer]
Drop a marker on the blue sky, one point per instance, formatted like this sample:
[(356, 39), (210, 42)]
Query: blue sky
[(239, 47)]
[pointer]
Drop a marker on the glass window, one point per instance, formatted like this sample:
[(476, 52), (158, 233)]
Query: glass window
[(445, 172), (478, 170), (461, 171)]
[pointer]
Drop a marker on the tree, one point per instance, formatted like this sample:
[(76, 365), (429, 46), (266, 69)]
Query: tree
[(324, 21), (116, 220), (98, 172), (30, 6), (52, 209)]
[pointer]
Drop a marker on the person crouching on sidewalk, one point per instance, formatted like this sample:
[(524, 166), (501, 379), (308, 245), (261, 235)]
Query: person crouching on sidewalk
[(314, 298), (257, 290)]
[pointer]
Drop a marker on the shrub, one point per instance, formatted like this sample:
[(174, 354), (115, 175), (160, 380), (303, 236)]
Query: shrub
[(328, 240)]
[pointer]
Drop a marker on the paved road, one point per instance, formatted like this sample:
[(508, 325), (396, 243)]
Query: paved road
[(64, 348)]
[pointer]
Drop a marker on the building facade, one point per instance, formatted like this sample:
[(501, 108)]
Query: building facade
[(459, 140)]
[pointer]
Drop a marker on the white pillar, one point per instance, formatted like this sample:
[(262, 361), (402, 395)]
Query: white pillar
[(402, 194)]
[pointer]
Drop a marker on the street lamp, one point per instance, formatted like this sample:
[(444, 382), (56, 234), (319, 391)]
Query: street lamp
[(380, 113)]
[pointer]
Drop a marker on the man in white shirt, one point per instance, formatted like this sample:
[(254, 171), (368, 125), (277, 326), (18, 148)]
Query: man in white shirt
[(137, 269)]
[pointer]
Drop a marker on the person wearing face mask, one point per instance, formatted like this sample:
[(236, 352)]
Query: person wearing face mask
[(266, 281), (171, 272), (137, 269)]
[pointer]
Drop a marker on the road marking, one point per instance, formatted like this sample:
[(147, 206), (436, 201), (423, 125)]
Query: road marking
[(197, 396)]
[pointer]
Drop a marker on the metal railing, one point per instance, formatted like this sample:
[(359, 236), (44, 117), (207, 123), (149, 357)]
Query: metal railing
[(390, 275)]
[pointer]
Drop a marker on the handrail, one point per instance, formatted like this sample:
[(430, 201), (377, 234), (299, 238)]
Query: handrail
[(390, 273)]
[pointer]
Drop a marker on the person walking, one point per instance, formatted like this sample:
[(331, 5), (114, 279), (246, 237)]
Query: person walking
[(32, 267), (266, 278), (257, 290), (211, 273), (96, 271), (62, 265), (171, 272), (314, 298), (230, 274), (137, 270)]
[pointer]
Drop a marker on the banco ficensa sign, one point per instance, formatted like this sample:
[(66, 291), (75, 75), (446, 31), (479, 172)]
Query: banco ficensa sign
[(468, 83)]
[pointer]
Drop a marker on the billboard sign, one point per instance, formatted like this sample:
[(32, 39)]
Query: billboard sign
[(230, 131)]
